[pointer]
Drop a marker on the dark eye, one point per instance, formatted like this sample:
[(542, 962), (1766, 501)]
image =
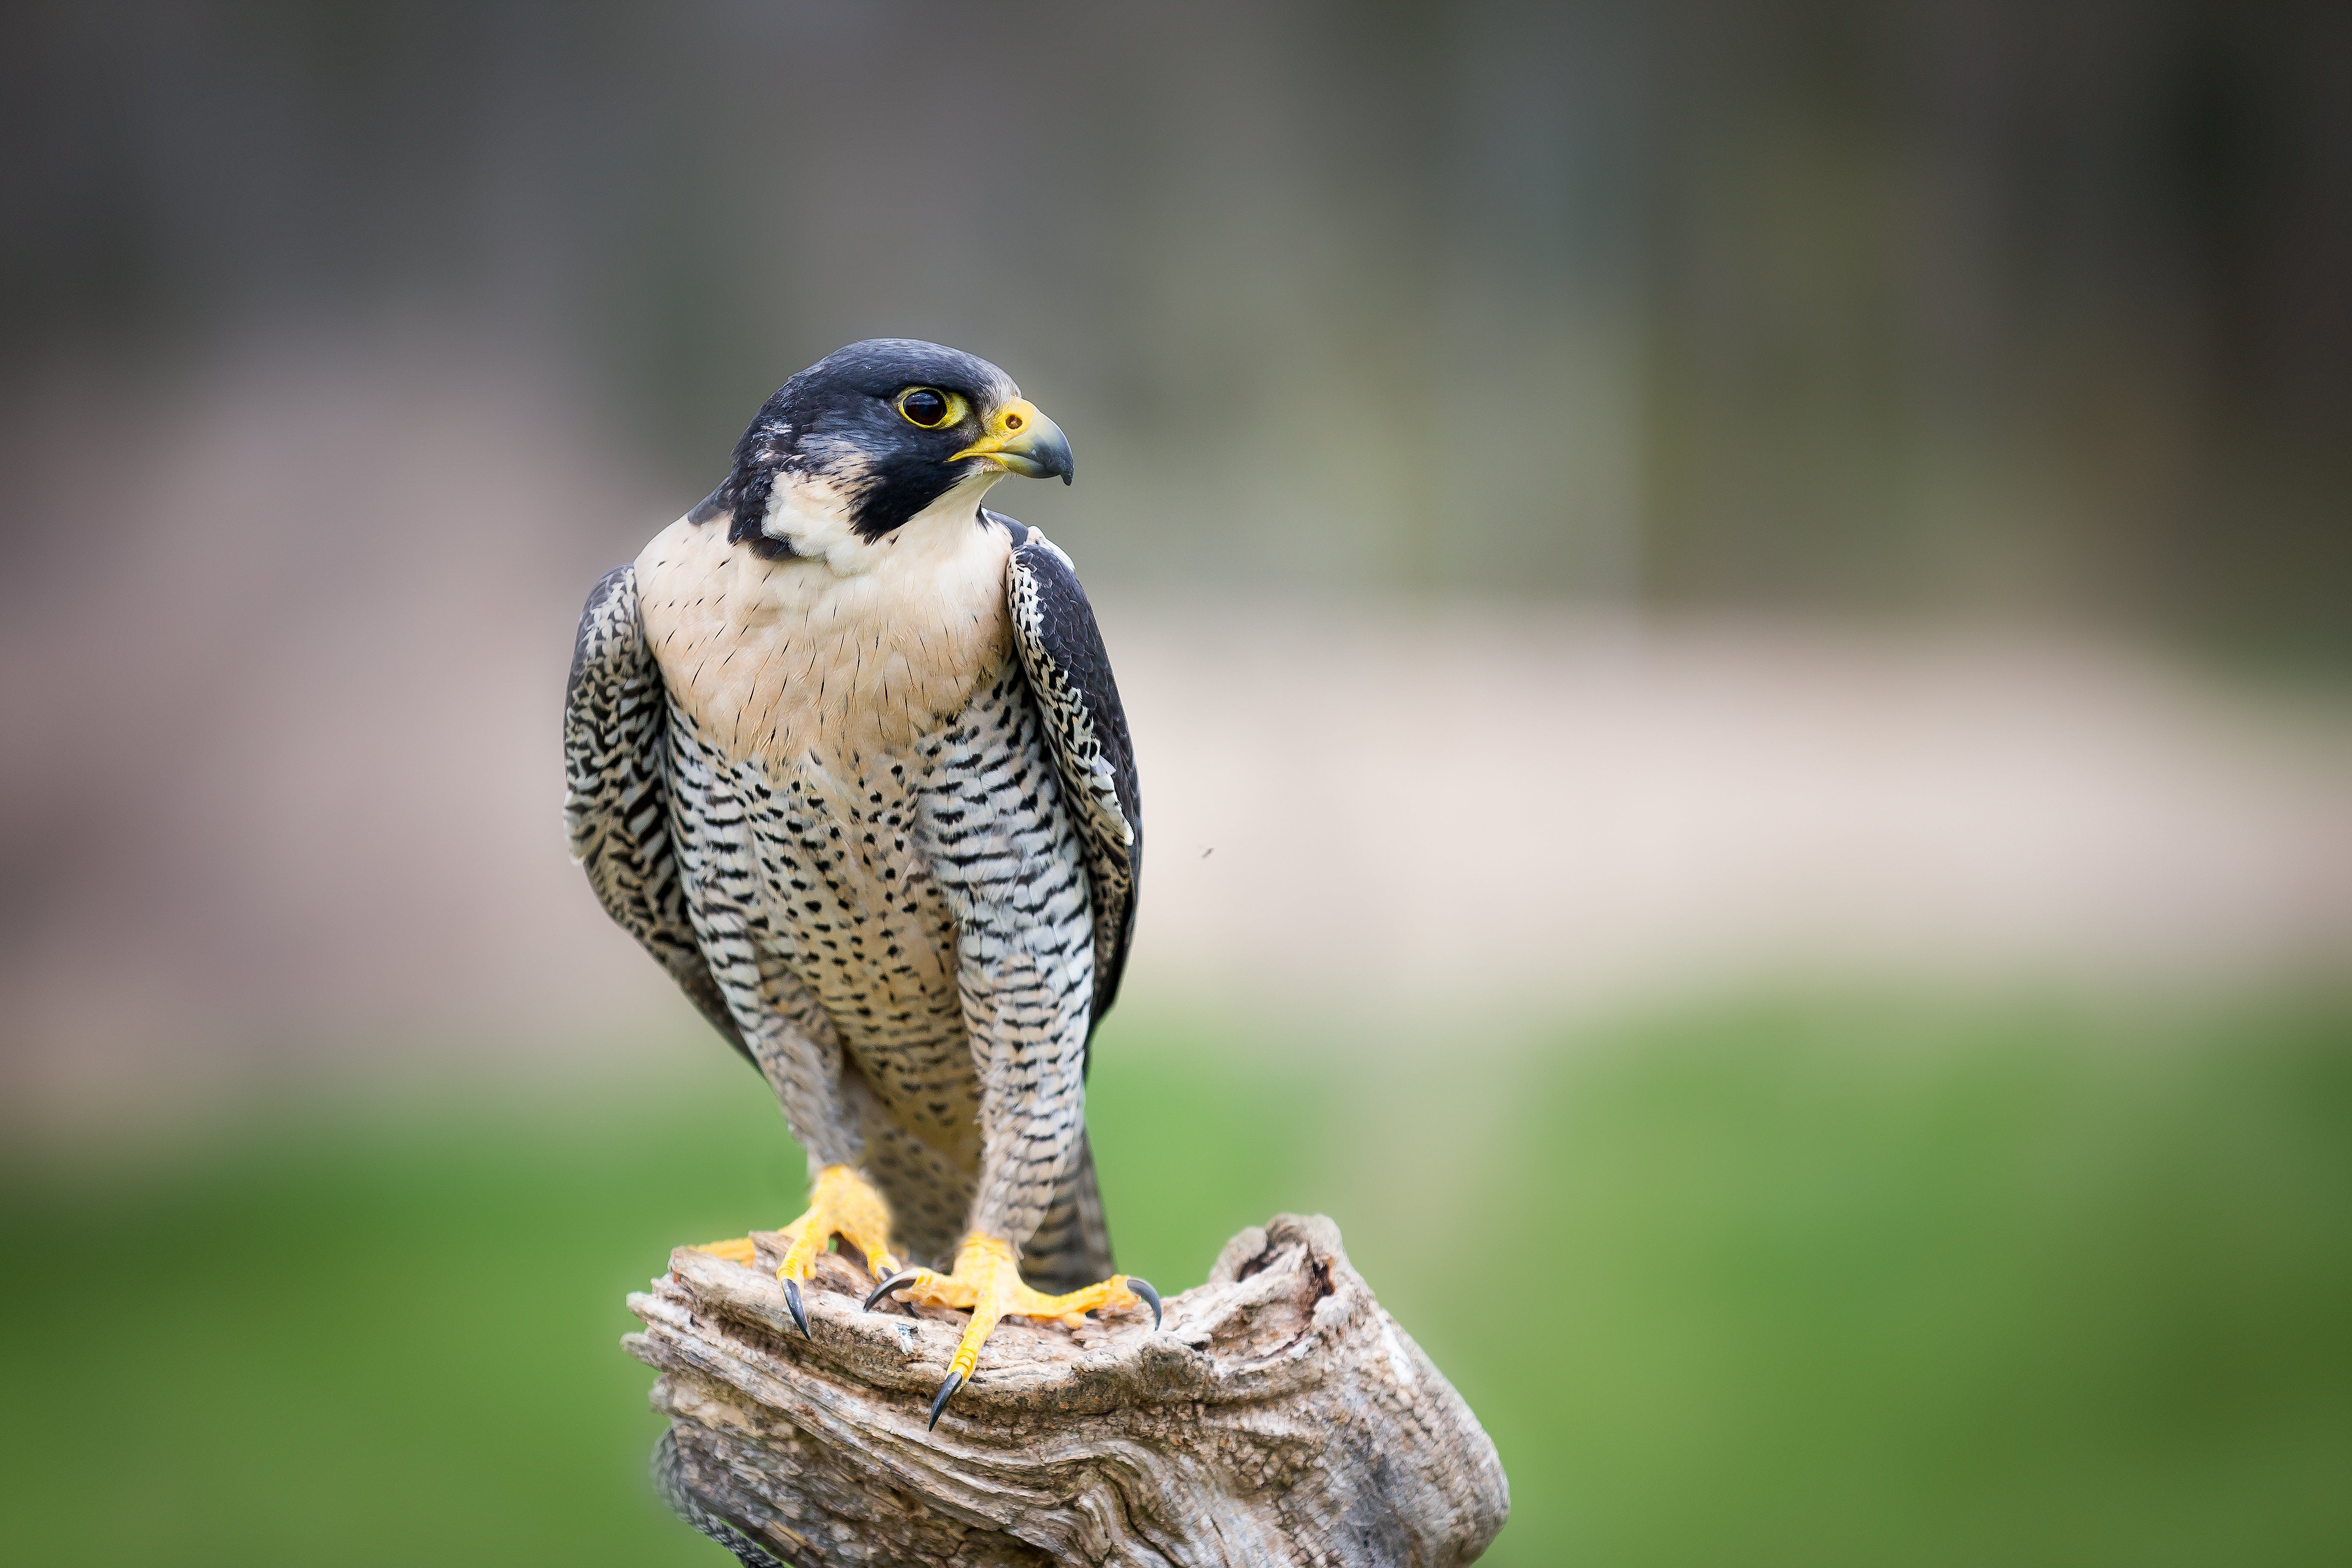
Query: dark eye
[(924, 406)]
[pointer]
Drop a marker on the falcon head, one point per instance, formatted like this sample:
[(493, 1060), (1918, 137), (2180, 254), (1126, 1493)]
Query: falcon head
[(873, 435)]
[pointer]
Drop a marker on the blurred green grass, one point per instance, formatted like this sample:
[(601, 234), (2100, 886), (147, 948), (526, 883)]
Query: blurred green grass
[(1813, 1281)]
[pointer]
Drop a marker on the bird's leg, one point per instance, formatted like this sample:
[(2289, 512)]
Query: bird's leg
[(988, 1281), (842, 1203)]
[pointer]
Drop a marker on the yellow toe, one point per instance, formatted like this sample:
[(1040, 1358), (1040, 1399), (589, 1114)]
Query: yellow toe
[(842, 1203), (988, 1281)]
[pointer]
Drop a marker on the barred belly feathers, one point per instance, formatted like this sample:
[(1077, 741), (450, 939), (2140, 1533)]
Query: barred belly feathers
[(862, 793)]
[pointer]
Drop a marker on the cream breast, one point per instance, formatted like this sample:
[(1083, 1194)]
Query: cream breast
[(841, 658)]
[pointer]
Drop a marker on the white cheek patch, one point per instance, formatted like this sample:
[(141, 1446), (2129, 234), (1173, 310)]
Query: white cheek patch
[(813, 516)]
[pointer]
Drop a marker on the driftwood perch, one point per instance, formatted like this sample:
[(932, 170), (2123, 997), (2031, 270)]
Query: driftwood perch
[(1279, 1416)]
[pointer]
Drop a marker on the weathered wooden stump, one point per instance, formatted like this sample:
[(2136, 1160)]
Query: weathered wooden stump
[(1279, 1416)]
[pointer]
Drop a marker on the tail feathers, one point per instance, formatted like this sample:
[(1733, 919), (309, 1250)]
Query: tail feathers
[(1072, 1248), (736, 1536)]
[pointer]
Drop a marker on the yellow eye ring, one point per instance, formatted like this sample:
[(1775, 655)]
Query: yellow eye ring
[(928, 408)]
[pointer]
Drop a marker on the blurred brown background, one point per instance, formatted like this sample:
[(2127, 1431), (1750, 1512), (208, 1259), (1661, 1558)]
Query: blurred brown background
[(1728, 352), (1864, 491)]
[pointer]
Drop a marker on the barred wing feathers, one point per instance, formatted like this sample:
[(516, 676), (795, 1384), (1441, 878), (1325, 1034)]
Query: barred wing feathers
[(615, 797), (1062, 653)]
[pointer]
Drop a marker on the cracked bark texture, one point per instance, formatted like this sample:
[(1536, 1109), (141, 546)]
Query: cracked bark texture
[(1279, 1416)]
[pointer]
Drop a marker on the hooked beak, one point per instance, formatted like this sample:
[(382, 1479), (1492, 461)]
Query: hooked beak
[(1020, 440)]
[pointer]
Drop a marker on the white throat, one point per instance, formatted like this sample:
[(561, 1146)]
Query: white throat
[(813, 518)]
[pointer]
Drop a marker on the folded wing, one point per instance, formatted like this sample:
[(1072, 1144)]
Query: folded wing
[(615, 799), (1061, 651)]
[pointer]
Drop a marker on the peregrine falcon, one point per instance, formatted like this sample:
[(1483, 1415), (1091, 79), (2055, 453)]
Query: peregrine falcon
[(844, 752)]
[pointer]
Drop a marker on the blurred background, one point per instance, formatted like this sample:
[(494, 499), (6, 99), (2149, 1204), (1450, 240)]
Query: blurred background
[(1739, 620)]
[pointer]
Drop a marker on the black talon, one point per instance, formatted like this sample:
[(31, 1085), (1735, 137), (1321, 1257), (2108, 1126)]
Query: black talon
[(792, 1300), (939, 1400), (1143, 1288), (895, 1282)]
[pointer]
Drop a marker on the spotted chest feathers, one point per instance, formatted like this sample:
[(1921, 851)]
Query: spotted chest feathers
[(839, 658)]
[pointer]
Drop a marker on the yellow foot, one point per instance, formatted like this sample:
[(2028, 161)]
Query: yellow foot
[(987, 1280), (738, 1249), (841, 1203)]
